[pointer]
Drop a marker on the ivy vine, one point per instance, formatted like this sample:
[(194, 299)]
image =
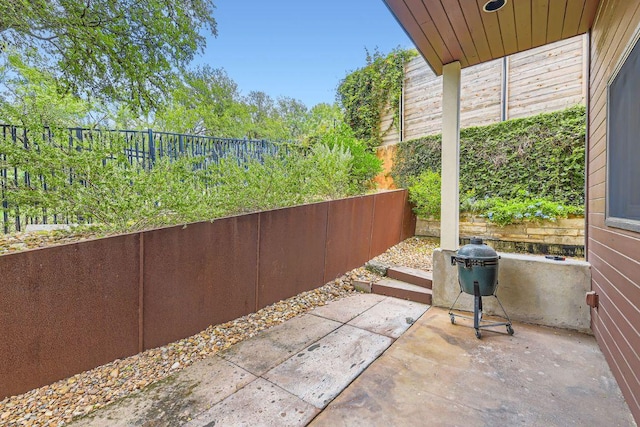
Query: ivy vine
[(371, 92), (540, 156)]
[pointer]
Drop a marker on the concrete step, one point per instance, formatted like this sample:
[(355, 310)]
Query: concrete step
[(411, 275), (403, 290)]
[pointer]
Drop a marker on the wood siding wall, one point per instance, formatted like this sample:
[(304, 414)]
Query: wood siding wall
[(547, 78), (613, 253)]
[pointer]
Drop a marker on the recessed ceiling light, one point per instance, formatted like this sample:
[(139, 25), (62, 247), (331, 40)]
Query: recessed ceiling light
[(494, 5)]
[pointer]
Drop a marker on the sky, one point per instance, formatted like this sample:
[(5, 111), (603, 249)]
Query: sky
[(298, 48)]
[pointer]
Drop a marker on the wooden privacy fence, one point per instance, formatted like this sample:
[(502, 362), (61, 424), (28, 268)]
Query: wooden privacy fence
[(544, 79), (69, 308)]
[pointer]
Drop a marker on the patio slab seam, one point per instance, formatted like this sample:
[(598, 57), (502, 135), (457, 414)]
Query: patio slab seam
[(318, 311), (295, 389), (201, 419), (442, 374), (301, 365)]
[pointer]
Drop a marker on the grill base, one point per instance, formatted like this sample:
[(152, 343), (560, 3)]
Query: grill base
[(478, 322)]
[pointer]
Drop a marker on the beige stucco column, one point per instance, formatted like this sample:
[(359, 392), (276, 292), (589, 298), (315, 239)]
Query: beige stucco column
[(450, 204)]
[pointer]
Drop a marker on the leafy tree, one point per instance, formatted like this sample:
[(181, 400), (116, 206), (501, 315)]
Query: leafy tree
[(207, 102), (322, 118), (263, 116), (121, 50), (29, 98), (121, 117), (293, 116), (284, 119)]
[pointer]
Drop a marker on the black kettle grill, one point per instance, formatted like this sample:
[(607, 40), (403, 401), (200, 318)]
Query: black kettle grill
[(478, 276)]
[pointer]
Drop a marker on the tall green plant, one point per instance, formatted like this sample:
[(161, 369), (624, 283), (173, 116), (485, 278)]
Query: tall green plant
[(425, 194), (373, 91), (364, 165), (29, 97)]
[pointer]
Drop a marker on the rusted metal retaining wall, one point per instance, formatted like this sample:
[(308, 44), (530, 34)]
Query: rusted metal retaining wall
[(70, 308)]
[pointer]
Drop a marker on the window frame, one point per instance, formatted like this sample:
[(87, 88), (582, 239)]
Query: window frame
[(616, 221)]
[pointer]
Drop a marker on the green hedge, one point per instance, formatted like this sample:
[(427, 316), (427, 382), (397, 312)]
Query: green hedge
[(541, 156)]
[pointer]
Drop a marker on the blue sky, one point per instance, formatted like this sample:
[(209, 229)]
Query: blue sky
[(298, 48)]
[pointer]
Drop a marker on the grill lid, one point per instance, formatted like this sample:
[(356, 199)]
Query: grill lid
[(476, 250)]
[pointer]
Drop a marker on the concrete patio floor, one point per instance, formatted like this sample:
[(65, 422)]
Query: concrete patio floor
[(370, 360)]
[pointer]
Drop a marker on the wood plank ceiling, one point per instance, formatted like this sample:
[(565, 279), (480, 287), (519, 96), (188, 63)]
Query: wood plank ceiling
[(445, 31)]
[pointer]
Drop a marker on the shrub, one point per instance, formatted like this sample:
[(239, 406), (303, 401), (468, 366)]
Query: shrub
[(364, 165), (95, 182), (424, 193), (505, 212)]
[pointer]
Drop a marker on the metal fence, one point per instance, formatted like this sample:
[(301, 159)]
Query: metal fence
[(143, 148)]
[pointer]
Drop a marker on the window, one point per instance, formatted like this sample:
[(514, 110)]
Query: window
[(623, 145)]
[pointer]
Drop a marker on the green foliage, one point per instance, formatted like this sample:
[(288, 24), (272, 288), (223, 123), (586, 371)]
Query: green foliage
[(424, 193), (206, 102), (330, 174), (371, 92), (522, 208), (29, 97), (117, 50), (280, 181), (96, 182), (415, 156), (542, 156), (322, 119), (364, 164), (284, 119), (293, 118)]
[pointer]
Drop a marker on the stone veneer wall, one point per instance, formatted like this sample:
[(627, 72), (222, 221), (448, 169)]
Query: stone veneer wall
[(569, 231)]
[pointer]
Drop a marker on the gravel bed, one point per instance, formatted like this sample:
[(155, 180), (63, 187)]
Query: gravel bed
[(58, 403), (16, 242), (414, 252)]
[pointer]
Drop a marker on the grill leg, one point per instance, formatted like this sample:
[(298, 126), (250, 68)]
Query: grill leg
[(451, 315), (477, 308)]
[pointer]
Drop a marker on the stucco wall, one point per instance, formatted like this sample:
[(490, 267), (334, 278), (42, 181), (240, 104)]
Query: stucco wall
[(532, 289)]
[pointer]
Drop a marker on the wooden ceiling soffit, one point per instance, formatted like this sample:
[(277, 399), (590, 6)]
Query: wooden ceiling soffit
[(445, 31)]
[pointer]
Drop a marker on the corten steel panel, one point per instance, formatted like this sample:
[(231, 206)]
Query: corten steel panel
[(409, 219), (67, 309), (348, 235), (292, 249), (388, 220), (388, 212), (198, 275)]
